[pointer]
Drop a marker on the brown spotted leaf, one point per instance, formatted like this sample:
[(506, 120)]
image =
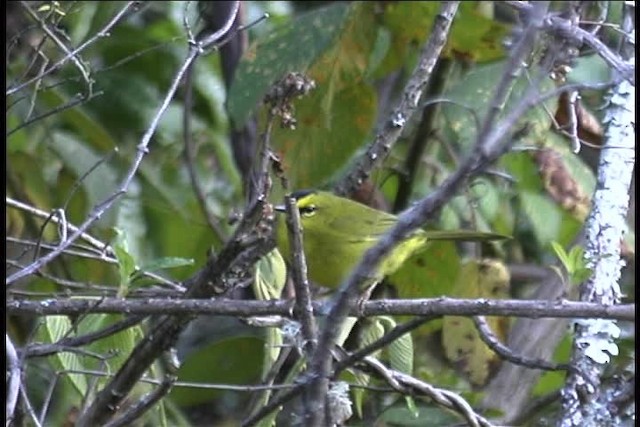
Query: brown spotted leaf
[(462, 343)]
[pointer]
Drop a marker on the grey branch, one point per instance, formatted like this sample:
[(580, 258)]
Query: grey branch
[(409, 103), (584, 400), (14, 379), (534, 309)]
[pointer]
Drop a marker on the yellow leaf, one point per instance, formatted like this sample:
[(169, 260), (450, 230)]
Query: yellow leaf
[(460, 338)]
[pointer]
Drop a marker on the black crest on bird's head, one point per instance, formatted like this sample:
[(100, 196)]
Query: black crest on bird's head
[(300, 194)]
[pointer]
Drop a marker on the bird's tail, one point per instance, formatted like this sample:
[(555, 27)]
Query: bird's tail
[(465, 235)]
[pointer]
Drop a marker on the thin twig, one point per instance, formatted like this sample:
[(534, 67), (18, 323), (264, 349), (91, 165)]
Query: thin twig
[(79, 98), (273, 405), (419, 141), (303, 308), (250, 241), (320, 365), (381, 342), (574, 32), (406, 384), (514, 65), (190, 158), (103, 248), (584, 399), (43, 25), (144, 403), (488, 337), (102, 33), (14, 379), (28, 406), (102, 207), (39, 350)]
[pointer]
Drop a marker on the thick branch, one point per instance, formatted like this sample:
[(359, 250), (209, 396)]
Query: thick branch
[(584, 401), (535, 309)]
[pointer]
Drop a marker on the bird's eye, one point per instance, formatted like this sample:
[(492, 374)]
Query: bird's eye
[(308, 210)]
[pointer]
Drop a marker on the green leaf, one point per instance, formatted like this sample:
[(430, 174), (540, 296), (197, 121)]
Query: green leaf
[(78, 157), (333, 135), (589, 69), (80, 120), (127, 104), (54, 329), (544, 215), (576, 255), (580, 275), (126, 262), (372, 329), (219, 363), (429, 273), (270, 276), (473, 35), (166, 263), (115, 348), (272, 56), (400, 350), (574, 262), (562, 255), (475, 91), (463, 346), (400, 353)]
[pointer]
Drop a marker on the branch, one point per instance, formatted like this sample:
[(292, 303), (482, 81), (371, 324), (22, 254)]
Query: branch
[(38, 350), (571, 31), (144, 404), (104, 32), (203, 284), (409, 103), (105, 251), (583, 400), (489, 338), (303, 308), (78, 99), (190, 158), (195, 50), (43, 25), (534, 309), (408, 385), (14, 378)]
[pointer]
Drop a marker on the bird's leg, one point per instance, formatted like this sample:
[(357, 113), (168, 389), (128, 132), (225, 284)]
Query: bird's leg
[(364, 296)]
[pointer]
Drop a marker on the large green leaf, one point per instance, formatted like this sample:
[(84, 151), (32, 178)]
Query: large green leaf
[(429, 273), (549, 221), (325, 140), (115, 348), (219, 363), (280, 52), (472, 95), (79, 119), (54, 329), (79, 158), (474, 35)]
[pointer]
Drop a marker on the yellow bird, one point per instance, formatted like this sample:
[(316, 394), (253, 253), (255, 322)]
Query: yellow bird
[(338, 231)]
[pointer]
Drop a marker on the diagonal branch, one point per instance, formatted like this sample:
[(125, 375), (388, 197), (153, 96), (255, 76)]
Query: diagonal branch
[(104, 32), (195, 51), (408, 105)]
